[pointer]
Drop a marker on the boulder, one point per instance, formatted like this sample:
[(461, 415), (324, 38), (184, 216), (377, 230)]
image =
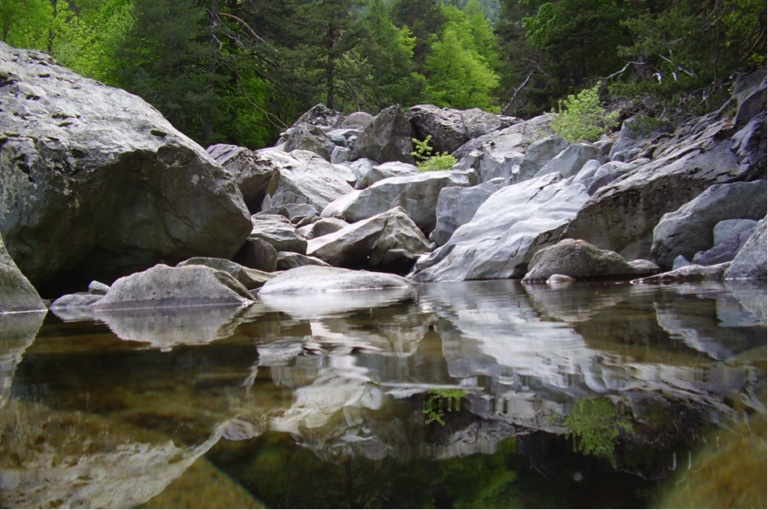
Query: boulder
[(416, 194), (310, 138), (750, 96), (317, 279), (689, 229), (298, 212), (319, 116), (451, 128), (368, 243), (622, 215), (457, 206), (252, 171), (750, 262), (302, 177), (355, 120), (16, 293), (162, 286), (386, 138), (571, 160), (321, 227), (587, 173), (257, 254), (75, 301), (723, 252), (385, 171), (287, 260), (506, 231), (340, 155), (279, 232), (581, 260), (98, 288), (727, 229), (539, 154), (250, 278), (691, 273), (631, 141), (96, 183)]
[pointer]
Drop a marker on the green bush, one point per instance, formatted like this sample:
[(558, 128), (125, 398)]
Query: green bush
[(581, 118), (428, 163)]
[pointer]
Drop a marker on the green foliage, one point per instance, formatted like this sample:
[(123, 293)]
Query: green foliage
[(426, 162), (595, 425), (441, 401), (582, 118)]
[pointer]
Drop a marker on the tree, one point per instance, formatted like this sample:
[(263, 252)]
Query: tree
[(424, 18), (25, 23)]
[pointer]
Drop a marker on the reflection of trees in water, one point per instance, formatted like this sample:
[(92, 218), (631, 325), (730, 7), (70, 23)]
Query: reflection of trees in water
[(595, 425), (440, 401)]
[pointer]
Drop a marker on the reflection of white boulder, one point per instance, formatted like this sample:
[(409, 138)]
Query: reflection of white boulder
[(313, 306), (17, 332)]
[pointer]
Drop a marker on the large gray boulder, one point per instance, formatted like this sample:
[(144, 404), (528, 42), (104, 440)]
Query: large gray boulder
[(506, 231), (279, 232), (539, 154), (388, 240), (750, 96), (317, 279), (386, 138), (631, 141), (689, 229), (321, 227), (501, 153), (457, 206), (622, 215), (162, 286), (724, 252), (385, 171), (310, 138), (416, 194), (16, 293), (250, 278), (252, 171), (750, 262), (257, 254), (451, 128), (96, 183), (571, 160), (581, 260), (727, 229), (690, 273), (287, 260), (319, 116)]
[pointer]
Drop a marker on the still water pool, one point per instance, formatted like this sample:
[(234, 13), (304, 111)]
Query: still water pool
[(479, 394)]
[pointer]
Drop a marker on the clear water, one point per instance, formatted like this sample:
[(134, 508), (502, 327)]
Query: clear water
[(479, 394)]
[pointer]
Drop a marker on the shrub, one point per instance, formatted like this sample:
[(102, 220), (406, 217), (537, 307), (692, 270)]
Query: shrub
[(428, 163), (581, 118)]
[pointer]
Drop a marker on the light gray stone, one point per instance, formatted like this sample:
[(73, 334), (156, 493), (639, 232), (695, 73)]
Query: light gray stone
[(680, 261), (96, 183), (287, 260), (506, 231), (386, 138), (631, 141), (75, 301), (356, 120), (250, 278), (691, 273), (727, 229), (384, 171), (581, 260), (571, 160), (162, 286), (321, 227), (279, 232), (456, 206), (539, 154), (750, 262), (98, 288), (317, 279), (16, 293), (587, 172), (252, 171), (340, 155), (689, 229), (416, 194)]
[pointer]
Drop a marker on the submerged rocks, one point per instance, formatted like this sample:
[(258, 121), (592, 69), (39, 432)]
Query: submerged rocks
[(316, 279), (386, 138), (416, 194), (506, 232), (97, 183), (16, 293), (162, 286), (389, 241), (689, 229), (581, 260)]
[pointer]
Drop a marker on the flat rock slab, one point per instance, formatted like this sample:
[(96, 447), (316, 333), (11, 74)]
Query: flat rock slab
[(691, 273), (317, 279)]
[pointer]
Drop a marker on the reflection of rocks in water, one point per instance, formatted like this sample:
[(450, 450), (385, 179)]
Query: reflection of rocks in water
[(73, 460), (752, 296), (329, 304), (165, 328), (578, 302), (17, 332), (466, 434)]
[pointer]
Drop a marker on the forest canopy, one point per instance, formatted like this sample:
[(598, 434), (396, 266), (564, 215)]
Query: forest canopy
[(241, 71)]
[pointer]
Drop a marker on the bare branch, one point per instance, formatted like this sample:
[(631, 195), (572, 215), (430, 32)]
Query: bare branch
[(246, 25), (516, 92)]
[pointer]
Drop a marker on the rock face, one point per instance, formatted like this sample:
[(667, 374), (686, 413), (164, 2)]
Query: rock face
[(727, 229), (16, 293), (622, 215), (95, 181), (278, 232), (310, 138), (389, 240), (321, 227), (257, 254), (416, 194), (539, 154), (252, 171), (456, 207), (249, 278), (301, 177), (163, 286), (580, 260), (287, 260), (386, 138), (316, 279), (384, 171), (571, 160), (451, 128), (723, 252), (506, 232), (689, 229), (750, 262)]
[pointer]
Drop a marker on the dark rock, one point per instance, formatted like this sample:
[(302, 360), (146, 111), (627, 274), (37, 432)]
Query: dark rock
[(456, 206), (309, 138), (16, 293), (252, 171), (723, 252), (257, 254), (287, 260), (387, 138)]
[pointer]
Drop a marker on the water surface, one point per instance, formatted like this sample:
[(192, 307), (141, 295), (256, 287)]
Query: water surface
[(478, 394)]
